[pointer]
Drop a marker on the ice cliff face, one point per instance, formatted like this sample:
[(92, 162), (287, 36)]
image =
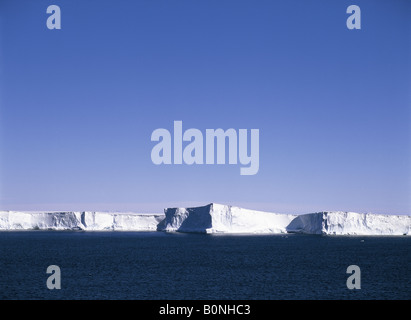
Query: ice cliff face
[(212, 218), (98, 221), (121, 221), (217, 218), (345, 223)]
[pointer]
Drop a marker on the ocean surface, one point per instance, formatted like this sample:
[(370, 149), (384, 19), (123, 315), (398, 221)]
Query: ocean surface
[(175, 266)]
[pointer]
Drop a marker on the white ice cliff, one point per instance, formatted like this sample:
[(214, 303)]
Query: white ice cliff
[(345, 223), (218, 218), (212, 218), (87, 220)]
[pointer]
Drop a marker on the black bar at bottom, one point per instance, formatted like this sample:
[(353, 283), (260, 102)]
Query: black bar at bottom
[(207, 309)]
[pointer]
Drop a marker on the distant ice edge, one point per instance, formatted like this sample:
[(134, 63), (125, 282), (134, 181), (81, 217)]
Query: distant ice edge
[(86, 220), (212, 218)]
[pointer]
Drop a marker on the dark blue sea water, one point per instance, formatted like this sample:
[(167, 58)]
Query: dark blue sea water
[(125, 265)]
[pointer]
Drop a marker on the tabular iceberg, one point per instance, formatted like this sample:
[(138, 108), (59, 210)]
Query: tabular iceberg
[(212, 218), (218, 218), (351, 223), (86, 220)]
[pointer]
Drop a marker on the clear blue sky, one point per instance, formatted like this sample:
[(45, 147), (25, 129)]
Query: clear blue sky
[(78, 105)]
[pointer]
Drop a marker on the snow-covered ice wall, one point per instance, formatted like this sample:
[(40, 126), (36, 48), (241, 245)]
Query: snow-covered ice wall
[(15, 220), (121, 221), (218, 218), (86, 220), (212, 218), (215, 218), (351, 223)]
